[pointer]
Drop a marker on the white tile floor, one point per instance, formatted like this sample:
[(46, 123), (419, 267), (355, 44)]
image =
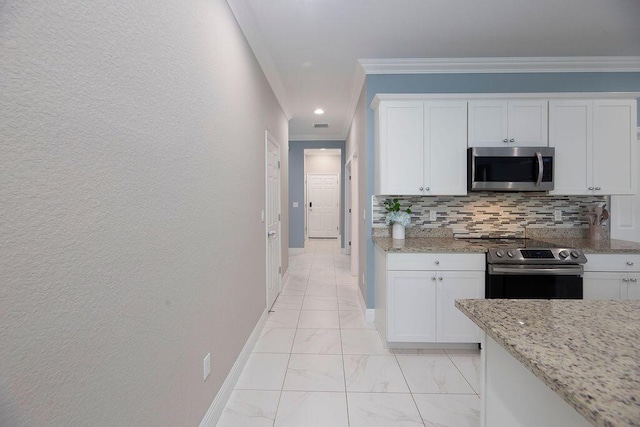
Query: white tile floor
[(318, 363)]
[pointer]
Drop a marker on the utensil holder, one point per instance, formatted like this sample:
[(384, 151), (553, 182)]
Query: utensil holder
[(596, 232)]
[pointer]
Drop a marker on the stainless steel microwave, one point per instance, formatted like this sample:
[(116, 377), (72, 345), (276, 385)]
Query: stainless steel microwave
[(510, 168)]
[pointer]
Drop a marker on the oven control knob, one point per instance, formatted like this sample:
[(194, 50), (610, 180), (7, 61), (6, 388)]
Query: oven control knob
[(574, 254), (499, 253), (563, 254), (511, 254)]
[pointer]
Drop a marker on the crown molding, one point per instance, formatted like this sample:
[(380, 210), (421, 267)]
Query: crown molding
[(574, 64), (244, 16)]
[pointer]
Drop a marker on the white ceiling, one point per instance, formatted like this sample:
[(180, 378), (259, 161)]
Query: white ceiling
[(309, 49)]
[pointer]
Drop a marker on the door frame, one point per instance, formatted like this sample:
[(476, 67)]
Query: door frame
[(355, 208), (268, 138), (347, 207), (306, 180)]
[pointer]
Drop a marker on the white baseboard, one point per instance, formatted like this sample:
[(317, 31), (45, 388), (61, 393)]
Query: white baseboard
[(296, 251), (284, 279), (369, 315), (219, 402)]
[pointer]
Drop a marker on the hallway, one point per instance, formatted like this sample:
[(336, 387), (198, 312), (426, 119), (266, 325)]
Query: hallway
[(318, 363)]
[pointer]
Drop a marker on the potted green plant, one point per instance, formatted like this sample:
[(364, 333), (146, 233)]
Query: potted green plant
[(397, 217)]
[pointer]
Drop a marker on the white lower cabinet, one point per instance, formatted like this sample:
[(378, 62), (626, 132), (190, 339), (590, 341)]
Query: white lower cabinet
[(419, 304), (612, 277)]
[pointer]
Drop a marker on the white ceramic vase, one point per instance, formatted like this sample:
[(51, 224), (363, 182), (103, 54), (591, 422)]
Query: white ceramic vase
[(397, 231)]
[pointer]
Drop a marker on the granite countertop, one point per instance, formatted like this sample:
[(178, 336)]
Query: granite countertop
[(588, 352), (427, 244), (450, 244)]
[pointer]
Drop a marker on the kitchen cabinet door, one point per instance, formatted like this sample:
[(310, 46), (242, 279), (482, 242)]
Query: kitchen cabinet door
[(400, 145), (633, 287), (603, 286), (570, 133), (488, 123), (614, 146), (512, 123), (445, 142), (452, 325), (411, 305), (527, 123)]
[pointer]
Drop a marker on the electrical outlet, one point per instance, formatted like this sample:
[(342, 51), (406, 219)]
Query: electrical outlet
[(207, 365), (557, 215), (364, 214), (432, 215)]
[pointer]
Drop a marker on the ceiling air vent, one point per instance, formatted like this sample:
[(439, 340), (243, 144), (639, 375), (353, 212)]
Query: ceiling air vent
[(321, 125)]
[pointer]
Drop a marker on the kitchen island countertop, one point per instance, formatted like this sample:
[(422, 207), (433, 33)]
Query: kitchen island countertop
[(588, 352)]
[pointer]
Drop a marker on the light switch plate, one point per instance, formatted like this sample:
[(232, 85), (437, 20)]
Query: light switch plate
[(295, 204), (557, 215), (262, 215)]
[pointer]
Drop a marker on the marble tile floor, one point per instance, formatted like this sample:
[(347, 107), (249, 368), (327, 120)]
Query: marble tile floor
[(318, 363)]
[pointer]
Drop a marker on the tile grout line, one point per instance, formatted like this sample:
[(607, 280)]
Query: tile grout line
[(409, 388)]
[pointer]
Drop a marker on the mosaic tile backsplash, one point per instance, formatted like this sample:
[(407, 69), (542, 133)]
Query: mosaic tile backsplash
[(491, 214)]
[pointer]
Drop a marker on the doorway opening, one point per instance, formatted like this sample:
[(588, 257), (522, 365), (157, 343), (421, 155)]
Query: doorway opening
[(322, 170)]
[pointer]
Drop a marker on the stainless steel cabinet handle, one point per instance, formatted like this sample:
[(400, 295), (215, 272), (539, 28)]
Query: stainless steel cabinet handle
[(433, 277), (590, 188), (598, 188), (427, 188), (271, 233), (625, 280), (629, 263), (505, 140), (512, 140), (633, 279), (437, 262), (421, 188), (439, 278)]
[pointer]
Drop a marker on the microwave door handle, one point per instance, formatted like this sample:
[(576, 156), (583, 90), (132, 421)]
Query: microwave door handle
[(540, 168)]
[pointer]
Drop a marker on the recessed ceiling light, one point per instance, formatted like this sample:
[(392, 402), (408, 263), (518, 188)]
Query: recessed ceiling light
[(323, 149), (319, 111)]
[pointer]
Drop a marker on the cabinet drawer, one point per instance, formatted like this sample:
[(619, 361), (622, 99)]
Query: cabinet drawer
[(612, 262), (436, 261)]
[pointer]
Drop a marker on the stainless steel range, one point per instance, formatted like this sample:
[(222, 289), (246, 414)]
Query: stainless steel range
[(524, 268)]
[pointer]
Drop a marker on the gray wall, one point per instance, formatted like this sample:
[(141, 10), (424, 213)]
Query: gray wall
[(468, 83), (296, 188), (131, 236)]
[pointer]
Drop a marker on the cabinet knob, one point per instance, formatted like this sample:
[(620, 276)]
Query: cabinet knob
[(633, 279), (437, 262), (629, 263), (512, 140), (625, 280), (439, 278), (427, 188), (433, 277), (598, 188), (505, 140), (590, 188), (421, 188)]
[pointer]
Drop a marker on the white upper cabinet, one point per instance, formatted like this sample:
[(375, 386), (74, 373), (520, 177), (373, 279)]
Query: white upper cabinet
[(595, 149), (517, 123), (421, 147), (400, 147)]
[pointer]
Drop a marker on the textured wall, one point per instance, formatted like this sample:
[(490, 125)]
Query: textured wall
[(296, 187), (130, 231), (491, 214)]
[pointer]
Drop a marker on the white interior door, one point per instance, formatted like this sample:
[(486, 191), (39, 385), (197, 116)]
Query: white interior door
[(273, 219), (323, 205)]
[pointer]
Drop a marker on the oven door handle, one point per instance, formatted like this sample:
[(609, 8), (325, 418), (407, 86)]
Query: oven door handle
[(531, 271), (540, 168)]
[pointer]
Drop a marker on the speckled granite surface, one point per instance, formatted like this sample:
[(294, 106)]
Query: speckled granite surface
[(427, 244), (448, 244), (588, 352)]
